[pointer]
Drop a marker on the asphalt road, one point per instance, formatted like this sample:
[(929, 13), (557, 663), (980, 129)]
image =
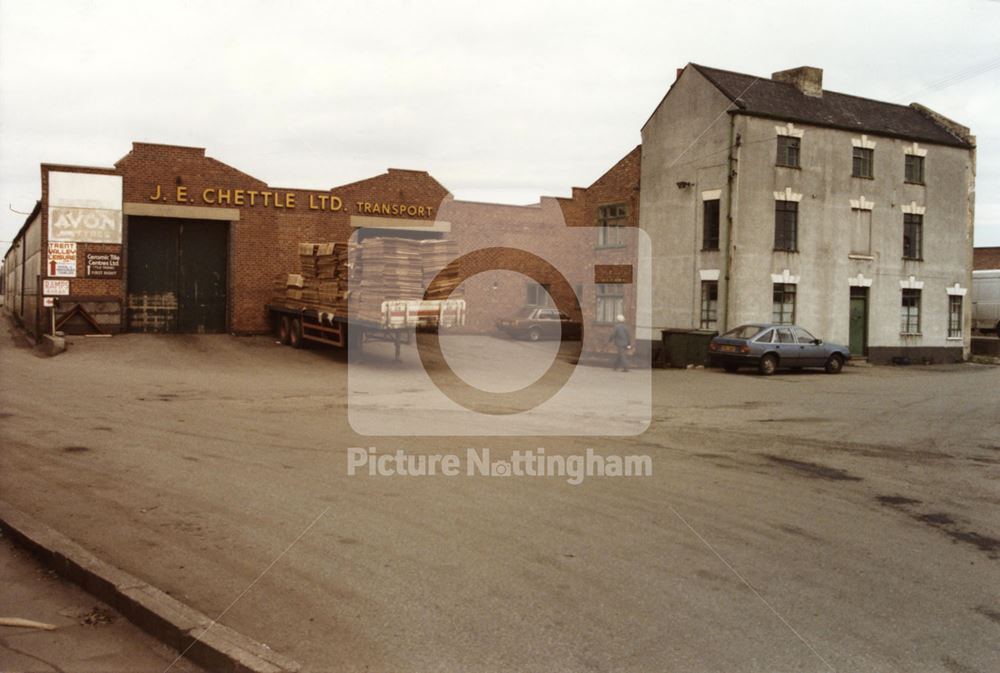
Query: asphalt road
[(796, 523)]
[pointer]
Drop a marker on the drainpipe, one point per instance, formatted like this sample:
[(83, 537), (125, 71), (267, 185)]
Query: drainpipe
[(731, 184)]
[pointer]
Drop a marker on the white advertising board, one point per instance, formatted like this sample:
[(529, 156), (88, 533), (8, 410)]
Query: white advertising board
[(62, 259), (85, 207), (58, 288)]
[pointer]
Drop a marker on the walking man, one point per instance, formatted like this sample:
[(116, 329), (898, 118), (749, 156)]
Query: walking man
[(622, 340)]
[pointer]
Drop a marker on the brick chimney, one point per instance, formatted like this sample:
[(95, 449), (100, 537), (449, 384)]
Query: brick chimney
[(805, 78)]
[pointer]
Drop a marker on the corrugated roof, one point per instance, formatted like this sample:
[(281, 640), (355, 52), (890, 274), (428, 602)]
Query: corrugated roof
[(762, 96)]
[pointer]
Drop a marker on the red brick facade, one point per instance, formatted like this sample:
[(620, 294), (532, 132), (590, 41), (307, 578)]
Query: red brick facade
[(272, 221), (619, 185)]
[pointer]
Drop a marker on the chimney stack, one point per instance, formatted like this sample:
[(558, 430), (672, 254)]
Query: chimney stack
[(805, 78)]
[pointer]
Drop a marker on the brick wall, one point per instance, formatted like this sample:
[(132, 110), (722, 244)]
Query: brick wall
[(500, 235), (82, 290), (263, 242), (619, 185), (986, 258)]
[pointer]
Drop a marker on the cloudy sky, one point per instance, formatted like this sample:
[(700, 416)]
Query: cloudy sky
[(500, 102)]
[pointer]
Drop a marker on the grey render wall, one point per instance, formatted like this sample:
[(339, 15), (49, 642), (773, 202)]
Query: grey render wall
[(685, 140), (824, 264)]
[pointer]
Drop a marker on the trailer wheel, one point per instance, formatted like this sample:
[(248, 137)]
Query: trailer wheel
[(284, 330), (295, 333)]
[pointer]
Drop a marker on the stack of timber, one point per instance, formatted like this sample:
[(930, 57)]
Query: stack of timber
[(440, 279), (390, 268), (369, 273)]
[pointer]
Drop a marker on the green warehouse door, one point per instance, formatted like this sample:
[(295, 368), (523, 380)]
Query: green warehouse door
[(859, 321), (177, 275), (202, 281)]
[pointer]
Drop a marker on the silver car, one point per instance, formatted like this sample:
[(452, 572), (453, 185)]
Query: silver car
[(768, 347)]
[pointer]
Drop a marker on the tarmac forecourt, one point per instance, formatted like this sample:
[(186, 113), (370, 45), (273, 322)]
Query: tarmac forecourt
[(192, 633)]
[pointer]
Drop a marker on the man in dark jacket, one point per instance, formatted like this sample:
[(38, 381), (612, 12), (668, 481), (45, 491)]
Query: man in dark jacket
[(622, 340)]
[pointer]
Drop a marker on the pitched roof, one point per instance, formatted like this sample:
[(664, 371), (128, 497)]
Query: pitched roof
[(764, 97)]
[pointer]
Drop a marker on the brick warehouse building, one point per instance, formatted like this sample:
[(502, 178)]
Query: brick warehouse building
[(171, 240)]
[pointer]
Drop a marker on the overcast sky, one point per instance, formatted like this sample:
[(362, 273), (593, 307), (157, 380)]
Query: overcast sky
[(501, 102)]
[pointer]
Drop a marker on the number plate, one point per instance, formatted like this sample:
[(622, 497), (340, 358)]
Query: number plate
[(728, 349)]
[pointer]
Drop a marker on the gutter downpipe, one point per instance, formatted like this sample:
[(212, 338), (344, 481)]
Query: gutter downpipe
[(731, 184)]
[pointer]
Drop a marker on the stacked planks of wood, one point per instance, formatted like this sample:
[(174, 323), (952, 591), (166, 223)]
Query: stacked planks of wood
[(368, 273)]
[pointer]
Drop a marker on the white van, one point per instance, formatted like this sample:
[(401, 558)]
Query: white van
[(986, 301)]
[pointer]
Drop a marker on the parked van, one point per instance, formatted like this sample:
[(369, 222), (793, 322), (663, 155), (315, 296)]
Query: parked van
[(986, 301)]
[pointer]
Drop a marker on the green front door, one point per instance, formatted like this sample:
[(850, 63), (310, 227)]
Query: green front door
[(859, 321)]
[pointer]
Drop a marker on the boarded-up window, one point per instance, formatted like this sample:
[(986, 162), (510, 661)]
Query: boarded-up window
[(612, 273), (861, 231)]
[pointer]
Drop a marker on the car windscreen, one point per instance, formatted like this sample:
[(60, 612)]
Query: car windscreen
[(743, 332)]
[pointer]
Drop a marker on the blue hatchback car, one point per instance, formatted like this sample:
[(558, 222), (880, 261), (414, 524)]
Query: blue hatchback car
[(768, 347)]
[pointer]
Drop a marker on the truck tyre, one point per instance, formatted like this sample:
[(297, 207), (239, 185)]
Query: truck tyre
[(534, 334), (284, 330), (295, 333), (768, 364), (835, 364)]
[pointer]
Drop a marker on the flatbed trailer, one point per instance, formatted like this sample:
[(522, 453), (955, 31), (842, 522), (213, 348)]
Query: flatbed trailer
[(295, 323)]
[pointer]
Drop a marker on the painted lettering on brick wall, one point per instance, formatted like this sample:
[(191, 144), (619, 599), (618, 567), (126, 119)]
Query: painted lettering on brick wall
[(370, 208), (85, 225), (278, 199), (242, 198)]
